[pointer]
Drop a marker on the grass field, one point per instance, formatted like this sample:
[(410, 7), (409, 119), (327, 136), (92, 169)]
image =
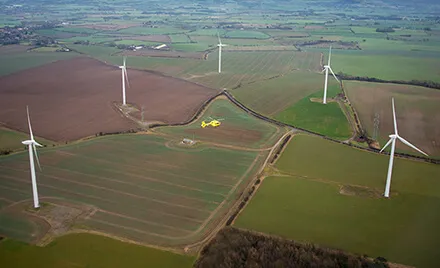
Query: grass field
[(272, 96), (86, 250), (328, 119), (237, 127), (147, 188), (387, 67), (246, 34), (416, 107), (306, 203)]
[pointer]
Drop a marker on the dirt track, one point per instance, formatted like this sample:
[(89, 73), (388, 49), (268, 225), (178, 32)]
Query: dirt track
[(72, 99)]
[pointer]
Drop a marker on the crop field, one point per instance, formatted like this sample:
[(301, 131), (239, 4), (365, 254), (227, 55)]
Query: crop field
[(387, 67), (237, 127), (105, 252), (240, 68), (73, 99), (145, 188), (417, 109), (331, 195), (272, 96), (19, 59)]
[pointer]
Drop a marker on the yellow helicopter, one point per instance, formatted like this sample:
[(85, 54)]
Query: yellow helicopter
[(211, 122)]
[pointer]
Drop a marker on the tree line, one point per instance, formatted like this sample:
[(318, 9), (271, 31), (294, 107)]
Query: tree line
[(422, 83), (237, 248)]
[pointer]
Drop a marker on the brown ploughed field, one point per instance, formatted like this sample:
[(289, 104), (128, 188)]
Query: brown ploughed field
[(72, 99)]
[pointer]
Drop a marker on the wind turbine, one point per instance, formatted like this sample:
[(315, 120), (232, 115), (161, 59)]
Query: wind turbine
[(124, 77), (32, 148), (326, 69), (392, 141), (220, 45)]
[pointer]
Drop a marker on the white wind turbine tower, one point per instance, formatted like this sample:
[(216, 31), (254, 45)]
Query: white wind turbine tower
[(392, 141), (326, 69), (124, 77), (220, 45), (32, 148)]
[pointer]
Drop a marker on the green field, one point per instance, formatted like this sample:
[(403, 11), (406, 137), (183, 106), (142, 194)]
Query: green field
[(237, 128), (11, 140), (387, 67), (246, 34), (326, 119), (25, 60), (272, 96), (86, 250), (306, 203), (147, 188)]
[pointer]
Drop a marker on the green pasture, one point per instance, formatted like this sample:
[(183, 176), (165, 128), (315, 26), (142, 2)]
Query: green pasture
[(306, 203), (245, 34), (163, 193), (270, 97), (387, 67), (25, 60), (207, 32), (87, 250), (232, 119), (78, 30), (328, 119)]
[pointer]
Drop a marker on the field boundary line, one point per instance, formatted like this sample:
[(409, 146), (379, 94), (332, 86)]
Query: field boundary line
[(224, 221), (270, 120)]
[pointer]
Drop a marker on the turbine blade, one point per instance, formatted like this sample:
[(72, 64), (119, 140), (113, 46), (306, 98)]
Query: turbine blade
[(219, 40), (386, 145), (410, 145), (126, 77), (333, 74), (125, 59), (29, 122), (329, 55), (394, 117), (36, 155)]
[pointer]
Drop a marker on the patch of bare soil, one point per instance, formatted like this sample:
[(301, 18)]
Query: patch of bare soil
[(359, 191), (61, 218), (73, 99)]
